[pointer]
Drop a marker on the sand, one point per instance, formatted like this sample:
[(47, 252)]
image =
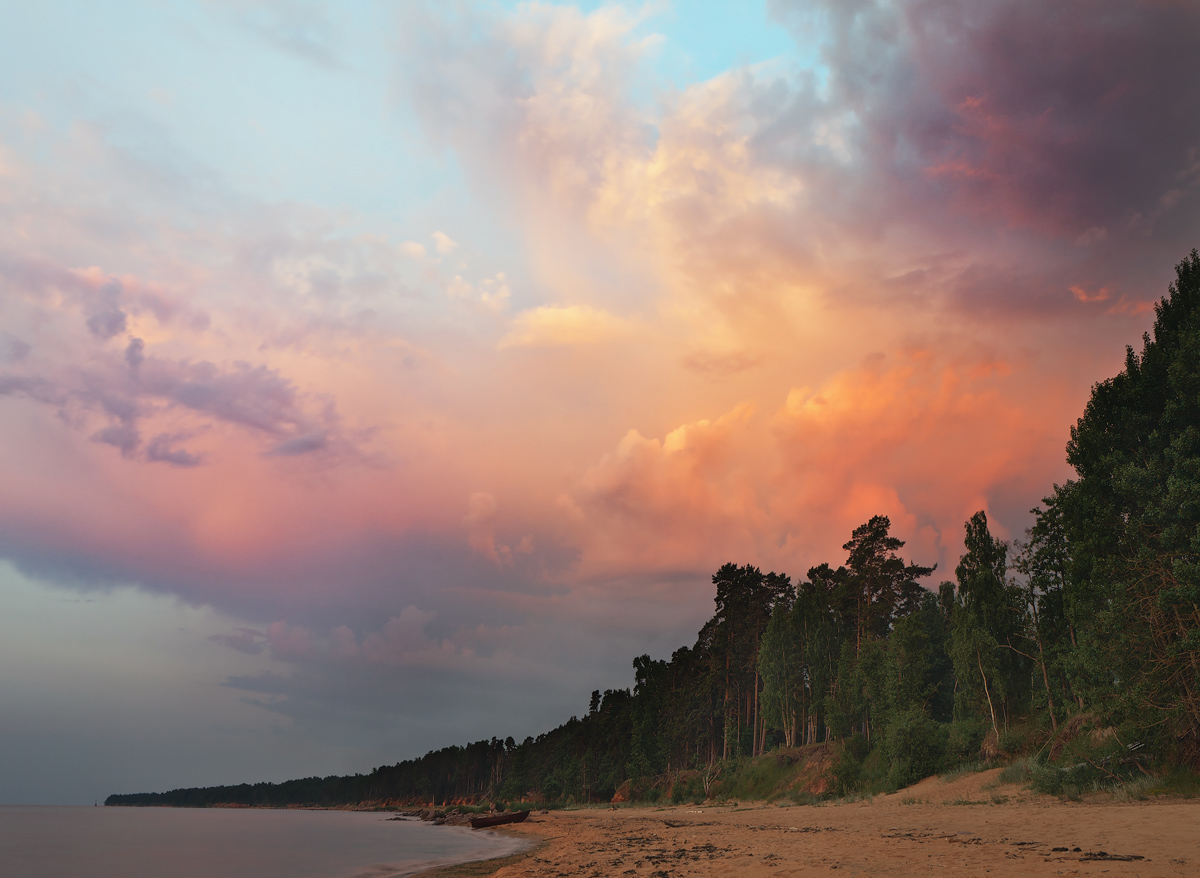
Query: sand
[(970, 826)]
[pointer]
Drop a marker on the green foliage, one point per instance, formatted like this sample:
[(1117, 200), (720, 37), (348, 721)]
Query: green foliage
[(1179, 781), (756, 779), (964, 738), (1017, 738), (687, 788), (993, 676), (878, 586), (781, 668), (846, 773), (1086, 764), (962, 770), (1132, 520), (915, 747), (1018, 772)]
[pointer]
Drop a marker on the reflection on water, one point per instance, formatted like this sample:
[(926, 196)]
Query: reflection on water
[(217, 843)]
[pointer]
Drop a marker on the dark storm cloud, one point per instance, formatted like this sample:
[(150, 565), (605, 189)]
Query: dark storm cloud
[(1066, 132), (1066, 117)]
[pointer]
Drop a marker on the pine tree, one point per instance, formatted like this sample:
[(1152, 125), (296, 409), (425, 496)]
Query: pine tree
[(1132, 520)]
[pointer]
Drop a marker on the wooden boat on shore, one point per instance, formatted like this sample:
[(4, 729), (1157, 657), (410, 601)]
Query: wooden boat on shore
[(498, 819)]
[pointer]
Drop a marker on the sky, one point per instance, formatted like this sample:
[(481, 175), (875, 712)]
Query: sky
[(379, 376)]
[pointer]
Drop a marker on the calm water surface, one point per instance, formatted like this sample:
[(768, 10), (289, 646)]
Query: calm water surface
[(219, 843)]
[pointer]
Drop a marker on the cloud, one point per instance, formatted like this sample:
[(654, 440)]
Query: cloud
[(736, 318), (161, 449), (135, 353), (106, 319), (249, 641), (289, 642), (343, 644), (316, 441), (925, 438), (33, 386), (302, 28), (491, 295), (401, 640), (124, 437), (928, 144), (653, 502), (13, 349), (255, 398), (480, 521), (563, 325)]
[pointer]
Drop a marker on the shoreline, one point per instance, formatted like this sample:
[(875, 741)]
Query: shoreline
[(484, 868), (971, 825)]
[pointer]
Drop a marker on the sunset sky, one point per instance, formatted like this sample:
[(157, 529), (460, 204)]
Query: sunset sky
[(378, 376)]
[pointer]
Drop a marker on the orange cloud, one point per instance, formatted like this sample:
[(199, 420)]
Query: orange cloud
[(553, 325), (921, 437)]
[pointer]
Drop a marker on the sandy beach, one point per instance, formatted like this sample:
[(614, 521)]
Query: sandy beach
[(969, 826)]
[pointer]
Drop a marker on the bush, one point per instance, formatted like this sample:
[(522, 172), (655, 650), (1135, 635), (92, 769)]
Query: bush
[(1087, 763), (964, 740), (1016, 739), (846, 773), (1019, 772), (1180, 781), (758, 779), (552, 790), (915, 746), (679, 791)]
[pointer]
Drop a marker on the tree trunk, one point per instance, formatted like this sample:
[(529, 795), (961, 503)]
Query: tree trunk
[(1046, 682), (988, 694)]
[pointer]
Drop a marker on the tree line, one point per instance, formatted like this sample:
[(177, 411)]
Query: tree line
[(1094, 614)]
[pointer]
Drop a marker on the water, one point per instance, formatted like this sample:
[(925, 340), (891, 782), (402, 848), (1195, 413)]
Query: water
[(38, 842)]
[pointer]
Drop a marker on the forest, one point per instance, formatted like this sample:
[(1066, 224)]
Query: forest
[(1091, 621)]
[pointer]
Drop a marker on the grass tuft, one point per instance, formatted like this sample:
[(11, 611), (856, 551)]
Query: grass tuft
[(963, 770), (1020, 771)]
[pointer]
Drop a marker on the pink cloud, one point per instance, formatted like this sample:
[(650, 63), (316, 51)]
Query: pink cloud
[(289, 642), (402, 639)]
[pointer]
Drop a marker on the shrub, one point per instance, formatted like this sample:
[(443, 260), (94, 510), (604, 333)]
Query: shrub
[(1016, 739), (679, 791), (964, 740), (915, 746), (1020, 771), (846, 773), (1089, 762)]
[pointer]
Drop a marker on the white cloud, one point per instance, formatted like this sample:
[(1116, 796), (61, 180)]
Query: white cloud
[(444, 243)]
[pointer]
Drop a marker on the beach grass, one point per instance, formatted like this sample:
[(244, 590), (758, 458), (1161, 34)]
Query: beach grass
[(963, 770)]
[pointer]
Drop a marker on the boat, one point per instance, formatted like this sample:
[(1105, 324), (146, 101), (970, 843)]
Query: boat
[(498, 819)]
